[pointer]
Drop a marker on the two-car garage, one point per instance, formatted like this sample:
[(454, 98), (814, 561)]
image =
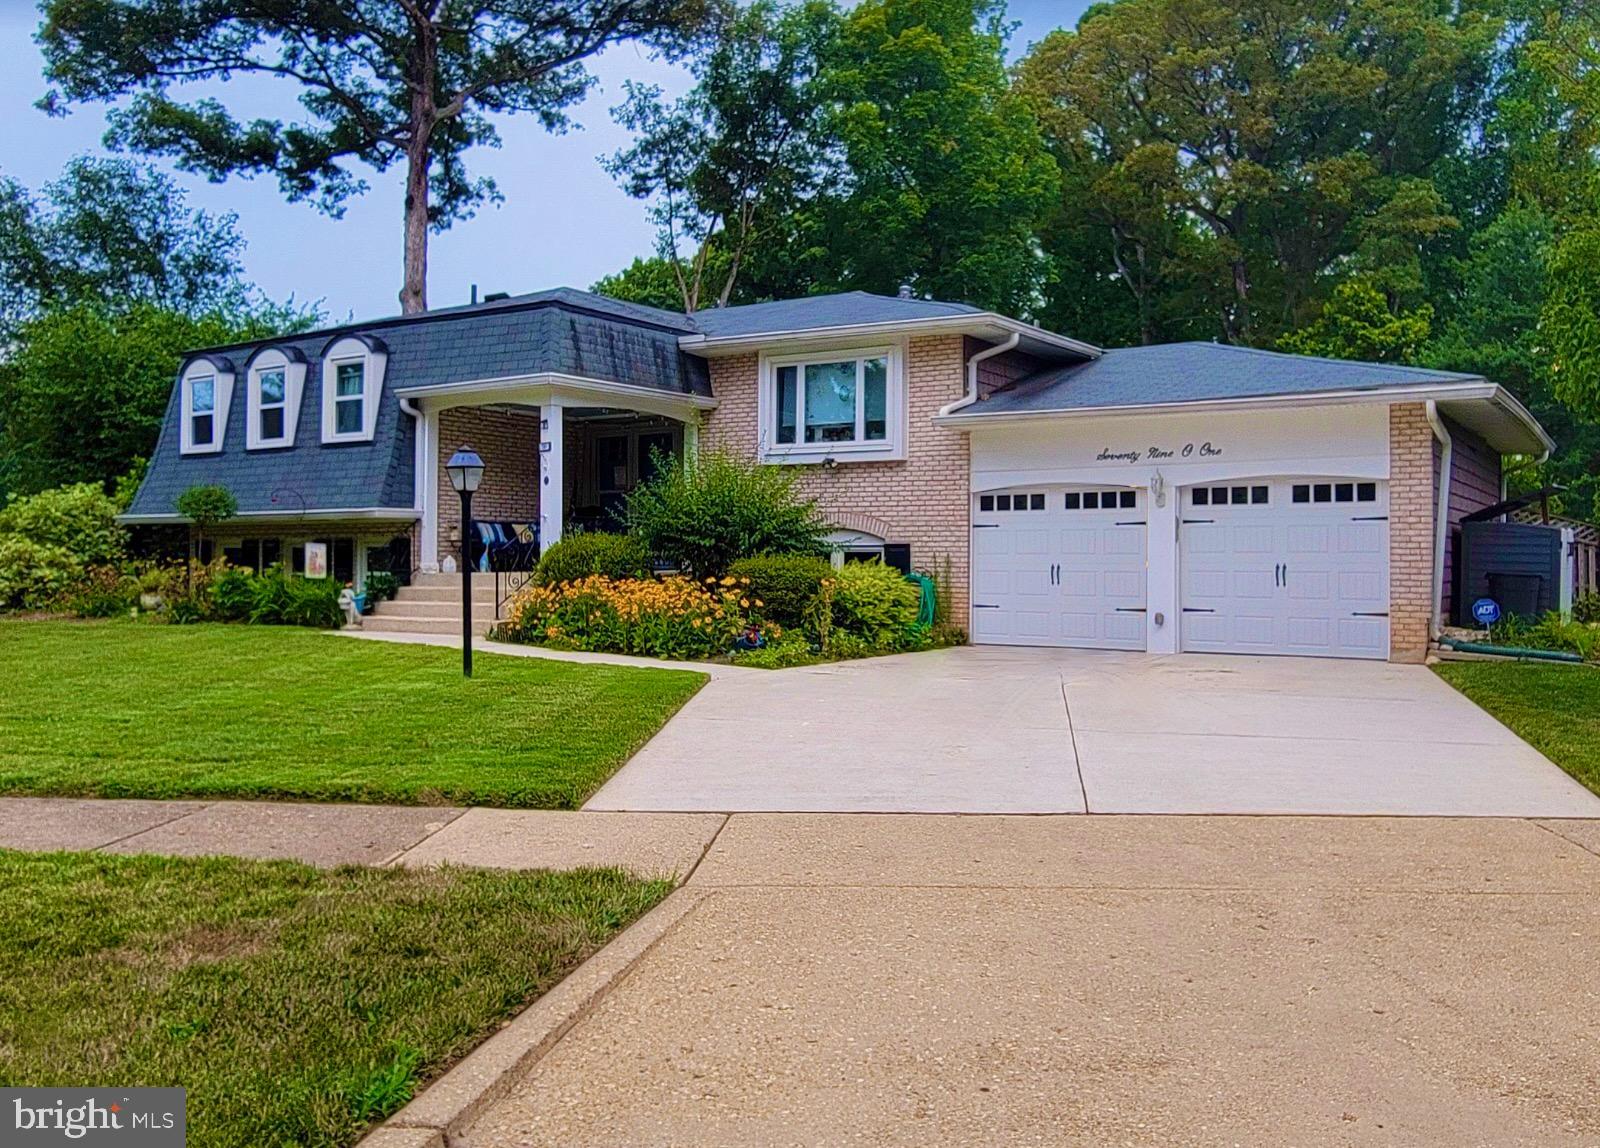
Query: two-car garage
[(1265, 566)]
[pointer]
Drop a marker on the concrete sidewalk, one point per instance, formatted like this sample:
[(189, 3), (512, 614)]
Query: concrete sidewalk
[(647, 844)]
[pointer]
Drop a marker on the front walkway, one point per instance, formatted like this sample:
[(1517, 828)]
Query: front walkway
[(988, 729)]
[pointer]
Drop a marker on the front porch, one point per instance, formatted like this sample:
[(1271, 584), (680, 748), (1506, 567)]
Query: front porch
[(559, 457)]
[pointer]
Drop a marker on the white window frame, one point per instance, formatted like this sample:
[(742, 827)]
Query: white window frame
[(352, 350), (294, 380), (891, 447), (221, 401)]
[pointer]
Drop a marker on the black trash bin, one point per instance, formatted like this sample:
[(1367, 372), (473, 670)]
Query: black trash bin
[(1518, 594)]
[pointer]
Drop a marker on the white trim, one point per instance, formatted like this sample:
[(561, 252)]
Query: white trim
[(428, 487), (351, 350), (1440, 392), (896, 396), (576, 386), (1441, 516), (294, 381), (221, 403), (383, 513), (933, 325)]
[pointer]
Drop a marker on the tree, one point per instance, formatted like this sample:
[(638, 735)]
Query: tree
[(946, 177), (205, 506), (742, 147), (83, 389), (1356, 323), (1288, 134), (113, 233), (382, 82), (656, 282)]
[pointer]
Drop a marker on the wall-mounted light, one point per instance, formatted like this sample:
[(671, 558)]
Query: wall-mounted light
[(1158, 488)]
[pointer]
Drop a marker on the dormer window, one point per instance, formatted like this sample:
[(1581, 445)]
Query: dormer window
[(348, 395), (206, 390), (277, 378), (203, 411), (352, 380)]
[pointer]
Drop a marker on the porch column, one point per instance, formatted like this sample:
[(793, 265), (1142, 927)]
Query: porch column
[(428, 487), (691, 438), (552, 472)]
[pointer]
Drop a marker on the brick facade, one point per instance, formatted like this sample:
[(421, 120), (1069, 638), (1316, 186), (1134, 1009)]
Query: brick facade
[(508, 443), (923, 500), (1412, 486)]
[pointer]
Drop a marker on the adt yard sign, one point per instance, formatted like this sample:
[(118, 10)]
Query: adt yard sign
[(1486, 611)]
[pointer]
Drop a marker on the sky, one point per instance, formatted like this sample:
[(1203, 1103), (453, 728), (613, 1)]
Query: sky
[(563, 223)]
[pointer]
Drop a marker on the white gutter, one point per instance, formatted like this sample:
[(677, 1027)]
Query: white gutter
[(972, 372), (1441, 518), (373, 513), (598, 388)]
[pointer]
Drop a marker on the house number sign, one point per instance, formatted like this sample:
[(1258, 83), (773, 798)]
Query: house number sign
[(1160, 453)]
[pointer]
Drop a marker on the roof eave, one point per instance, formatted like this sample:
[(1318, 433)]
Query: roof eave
[(321, 514), (1467, 391), (711, 346)]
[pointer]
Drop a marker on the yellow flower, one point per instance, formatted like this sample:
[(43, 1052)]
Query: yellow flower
[(759, 602), (744, 602), (727, 581), (744, 581)]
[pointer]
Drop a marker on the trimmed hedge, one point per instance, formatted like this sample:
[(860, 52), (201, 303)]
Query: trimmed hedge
[(784, 583), (582, 555)]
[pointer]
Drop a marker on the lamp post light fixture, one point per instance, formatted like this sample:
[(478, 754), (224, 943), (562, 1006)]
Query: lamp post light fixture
[(465, 469)]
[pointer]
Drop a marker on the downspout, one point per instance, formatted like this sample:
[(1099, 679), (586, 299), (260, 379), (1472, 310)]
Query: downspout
[(1441, 518), (971, 396)]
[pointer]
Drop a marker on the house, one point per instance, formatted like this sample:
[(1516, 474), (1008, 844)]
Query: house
[(1182, 497)]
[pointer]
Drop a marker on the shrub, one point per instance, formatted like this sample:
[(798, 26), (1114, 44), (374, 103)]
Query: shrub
[(704, 515), (1551, 632), (578, 557), (279, 598), (1586, 609), (875, 603), (789, 649), (667, 618), (786, 584), (102, 592), (381, 586), (80, 519), (186, 611), (233, 594), (34, 574)]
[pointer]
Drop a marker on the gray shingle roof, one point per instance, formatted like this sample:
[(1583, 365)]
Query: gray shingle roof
[(819, 311), (1195, 372)]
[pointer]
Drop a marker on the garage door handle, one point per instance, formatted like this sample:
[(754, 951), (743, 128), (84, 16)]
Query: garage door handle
[(1369, 613), (986, 526), (1132, 609), (1277, 574), (1140, 522), (1197, 610), (1370, 518), (984, 606), (1199, 521)]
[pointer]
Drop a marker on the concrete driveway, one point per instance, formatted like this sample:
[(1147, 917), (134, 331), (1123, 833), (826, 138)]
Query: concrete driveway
[(1008, 730)]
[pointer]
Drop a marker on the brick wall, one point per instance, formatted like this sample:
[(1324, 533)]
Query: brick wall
[(1411, 504), (922, 500), (508, 443)]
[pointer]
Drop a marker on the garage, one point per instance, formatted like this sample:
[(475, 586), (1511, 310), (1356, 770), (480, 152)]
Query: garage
[(1285, 566), (1060, 566)]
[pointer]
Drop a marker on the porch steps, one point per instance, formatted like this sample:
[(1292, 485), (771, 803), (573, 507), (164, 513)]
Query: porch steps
[(432, 605)]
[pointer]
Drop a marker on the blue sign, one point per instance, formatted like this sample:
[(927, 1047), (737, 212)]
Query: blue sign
[(1487, 611)]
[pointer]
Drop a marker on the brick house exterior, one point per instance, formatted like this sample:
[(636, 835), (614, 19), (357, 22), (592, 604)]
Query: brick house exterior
[(1412, 499)]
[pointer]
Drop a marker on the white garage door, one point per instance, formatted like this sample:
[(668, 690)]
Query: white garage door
[(1056, 566), (1286, 566)]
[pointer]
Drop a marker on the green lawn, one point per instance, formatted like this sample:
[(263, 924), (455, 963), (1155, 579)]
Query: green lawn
[(297, 1006), (125, 709), (1556, 709)]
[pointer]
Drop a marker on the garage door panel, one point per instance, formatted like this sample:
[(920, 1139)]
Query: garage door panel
[(1283, 572), (1062, 572)]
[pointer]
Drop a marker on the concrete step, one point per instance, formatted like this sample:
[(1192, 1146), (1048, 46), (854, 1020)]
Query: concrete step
[(406, 609), (482, 591), (405, 624), (447, 581)]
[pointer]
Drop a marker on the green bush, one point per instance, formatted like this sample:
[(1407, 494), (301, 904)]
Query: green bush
[(1550, 632), (279, 598), (705, 515), (876, 604), (609, 555), (381, 586), (1586, 609), (102, 592), (785, 584), (80, 519), (186, 611), (233, 594), (34, 574), (791, 649)]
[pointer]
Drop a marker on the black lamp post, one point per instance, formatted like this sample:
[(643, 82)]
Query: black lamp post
[(466, 472)]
